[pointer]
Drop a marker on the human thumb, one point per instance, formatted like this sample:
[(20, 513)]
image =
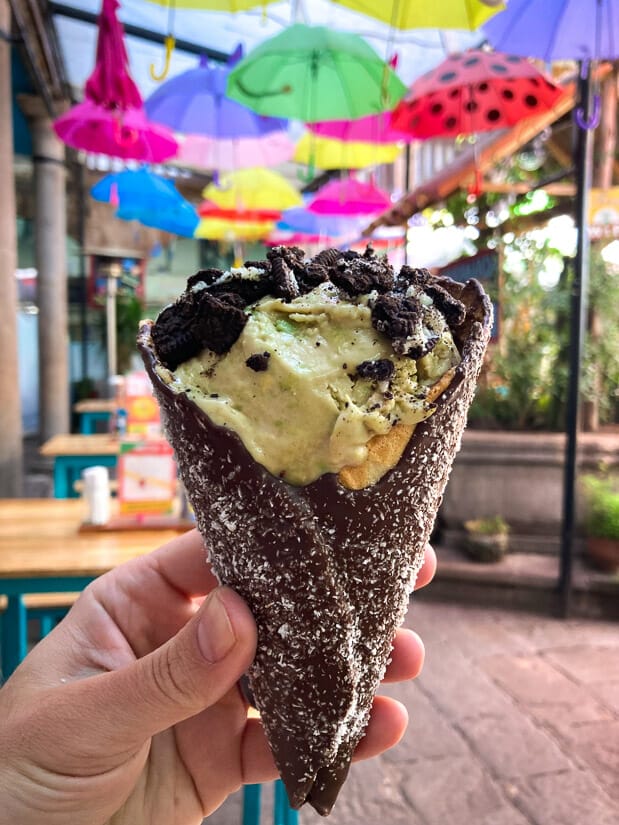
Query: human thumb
[(186, 675)]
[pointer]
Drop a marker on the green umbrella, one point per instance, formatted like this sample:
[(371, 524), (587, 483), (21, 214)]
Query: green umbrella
[(312, 73)]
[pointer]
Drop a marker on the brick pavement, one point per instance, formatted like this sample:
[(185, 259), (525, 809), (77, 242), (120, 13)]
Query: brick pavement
[(514, 721)]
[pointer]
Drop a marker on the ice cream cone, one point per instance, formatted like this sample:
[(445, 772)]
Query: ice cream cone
[(326, 570)]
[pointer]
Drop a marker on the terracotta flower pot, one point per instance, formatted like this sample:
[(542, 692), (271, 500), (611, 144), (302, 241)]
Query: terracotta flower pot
[(603, 553)]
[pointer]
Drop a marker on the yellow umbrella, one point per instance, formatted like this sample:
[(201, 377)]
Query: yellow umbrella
[(446, 14), (217, 229), (329, 153), (252, 189)]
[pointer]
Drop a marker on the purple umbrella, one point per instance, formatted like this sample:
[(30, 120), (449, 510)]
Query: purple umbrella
[(195, 102), (557, 29)]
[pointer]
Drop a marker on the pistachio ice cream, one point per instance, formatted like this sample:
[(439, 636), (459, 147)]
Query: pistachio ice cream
[(315, 408)]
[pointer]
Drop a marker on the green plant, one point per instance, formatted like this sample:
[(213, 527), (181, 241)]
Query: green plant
[(602, 512), (129, 313), (488, 526)]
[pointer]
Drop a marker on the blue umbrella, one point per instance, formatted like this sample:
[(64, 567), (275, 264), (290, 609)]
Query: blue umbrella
[(179, 219), (136, 189)]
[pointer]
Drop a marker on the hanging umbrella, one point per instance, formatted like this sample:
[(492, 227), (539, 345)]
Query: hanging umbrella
[(558, 29), (301, 220), (214, 5), (446, 14), (195, 102), (314, 73), (349, 197), (218, 229), (228, 154), (368, 129), (329, 153), (474, 91), (127, 134), (179, 218), (207, 209), (252, 189), (111, 120), (137, 189)]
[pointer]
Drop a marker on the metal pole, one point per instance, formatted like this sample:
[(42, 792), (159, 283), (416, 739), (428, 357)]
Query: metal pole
[(110, 316), (578, 318)]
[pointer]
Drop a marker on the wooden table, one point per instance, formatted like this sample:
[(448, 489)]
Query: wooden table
[(73, 453), (93, 410), (41, 551)]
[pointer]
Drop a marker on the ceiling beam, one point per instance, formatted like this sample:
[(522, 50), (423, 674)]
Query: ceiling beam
[(62, 10)]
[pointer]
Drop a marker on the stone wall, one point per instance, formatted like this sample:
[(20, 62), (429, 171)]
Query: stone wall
[(520, 477)]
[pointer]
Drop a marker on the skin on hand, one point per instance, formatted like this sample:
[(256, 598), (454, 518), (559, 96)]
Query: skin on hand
[(129, 712)]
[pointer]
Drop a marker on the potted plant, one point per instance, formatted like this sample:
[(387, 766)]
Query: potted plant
[(602, 522), (486, 539)]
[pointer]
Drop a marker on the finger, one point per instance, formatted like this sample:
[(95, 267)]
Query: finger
[(386, 727), (120, 710), (183, 564), (428, 568), (406, 657), (257, 763)]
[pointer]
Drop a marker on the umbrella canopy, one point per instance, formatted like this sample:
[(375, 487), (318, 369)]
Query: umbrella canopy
[(557, 29), (475, 91), (349, 197), (110, 84), (315, 73), (227, 154), (219, 229), (179, 218), (195, 102), (329, 153), (301, 220), (368, 129), (207, 209), (127, 135), (252, 189), (110, 120), (137, 189), (447, 14)]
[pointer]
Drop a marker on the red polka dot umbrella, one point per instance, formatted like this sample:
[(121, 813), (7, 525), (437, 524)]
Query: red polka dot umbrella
[(474, 92)]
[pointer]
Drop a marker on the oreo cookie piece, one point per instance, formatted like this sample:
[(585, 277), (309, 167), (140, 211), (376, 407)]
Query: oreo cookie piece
[(403, 320), (174, 336), (218, 323), (452, 309), (380, 370), (360, 275), (259, 362)]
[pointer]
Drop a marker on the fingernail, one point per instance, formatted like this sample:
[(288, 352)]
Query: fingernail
[(215, 634)]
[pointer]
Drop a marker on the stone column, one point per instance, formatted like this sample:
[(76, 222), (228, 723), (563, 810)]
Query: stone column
[(10, 408), (50, 229)]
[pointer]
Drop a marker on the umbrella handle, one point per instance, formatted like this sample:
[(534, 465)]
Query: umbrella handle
[(169, 48), (594, 120), (123, 135)]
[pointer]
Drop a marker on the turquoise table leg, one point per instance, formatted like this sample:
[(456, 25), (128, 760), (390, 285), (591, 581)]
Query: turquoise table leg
[(251, 804), (68, 469), (14, 635), (88, 421), (283, 814)]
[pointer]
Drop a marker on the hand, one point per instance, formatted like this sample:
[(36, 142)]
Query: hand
[(129, 712)]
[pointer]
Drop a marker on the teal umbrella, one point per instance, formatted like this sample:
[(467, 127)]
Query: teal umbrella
[(313, 73)]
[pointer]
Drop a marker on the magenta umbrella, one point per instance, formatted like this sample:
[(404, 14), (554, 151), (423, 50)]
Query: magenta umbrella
[(229, 154), (349, 197), (122, 134), (111, 119), (368, 129)]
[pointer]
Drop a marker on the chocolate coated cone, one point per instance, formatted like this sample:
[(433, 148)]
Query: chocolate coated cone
[(326, 571)]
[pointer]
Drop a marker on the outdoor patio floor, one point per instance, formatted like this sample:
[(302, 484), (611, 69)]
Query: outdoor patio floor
[(514, 721)]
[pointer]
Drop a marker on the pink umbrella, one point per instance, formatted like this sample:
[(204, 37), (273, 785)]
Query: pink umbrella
[(235, 153), (127, 134), (111, 119), (368, 129), (349, 197)]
